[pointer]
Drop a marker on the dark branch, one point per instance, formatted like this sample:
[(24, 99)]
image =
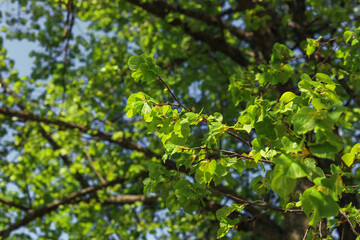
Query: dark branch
[(40, 212), (162, 9), (47, 136), (12, 204)]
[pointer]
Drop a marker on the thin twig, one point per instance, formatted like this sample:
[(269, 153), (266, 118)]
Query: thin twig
[(260, 160), (306, 232), (230, 153), (255, 203), (236, 136), (173, 95), (98, 174), (238, 132), (295, 58), (164, 104), (304, 56), (348, 220)]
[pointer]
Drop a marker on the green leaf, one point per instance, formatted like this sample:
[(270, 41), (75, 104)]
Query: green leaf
[(285, 173), (354, 41), (221, 171), (152, 66), (287, 97), (134, 62), (321, 77), (355, 149), (283, 185), (289, 167), (143, 69), (222, 231), (237, 207), (212, 166), (171, 149), (348, 159), (324, 150), (347, 36), (148, 76), (310, 49), (289, 205), (172, 203), (265, 129), (257, 185), (200, 176), (145, 109), (318, 104), (304, 120), (305, 77), (193, 118), (138, 104), (223, 212), (312, 44), (291, 145), (134, 100), (324, 205)]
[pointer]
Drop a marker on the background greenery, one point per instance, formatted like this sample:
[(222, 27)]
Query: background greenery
[(181, 120)]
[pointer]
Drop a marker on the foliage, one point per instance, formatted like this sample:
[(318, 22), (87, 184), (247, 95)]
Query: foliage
[(181, 119)]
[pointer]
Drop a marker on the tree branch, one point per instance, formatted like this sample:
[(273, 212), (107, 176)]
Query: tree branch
[(162, 9), (126, 199), (98, 174), (65, 158), (40, 212), (47, 136), (255, 203), (349, 222), (12, 204), (83, 129)]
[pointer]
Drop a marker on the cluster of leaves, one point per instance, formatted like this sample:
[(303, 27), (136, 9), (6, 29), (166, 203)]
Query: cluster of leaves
[(295, 134)]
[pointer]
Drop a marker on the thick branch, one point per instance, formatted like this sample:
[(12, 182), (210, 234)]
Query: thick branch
[(65, 158), (33, 214), (12, 204), (47, 136), (209, 20), (70, 125), (94, 133), (216, 43)]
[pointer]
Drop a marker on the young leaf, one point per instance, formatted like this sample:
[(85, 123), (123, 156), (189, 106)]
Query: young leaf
[(347, 36)]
